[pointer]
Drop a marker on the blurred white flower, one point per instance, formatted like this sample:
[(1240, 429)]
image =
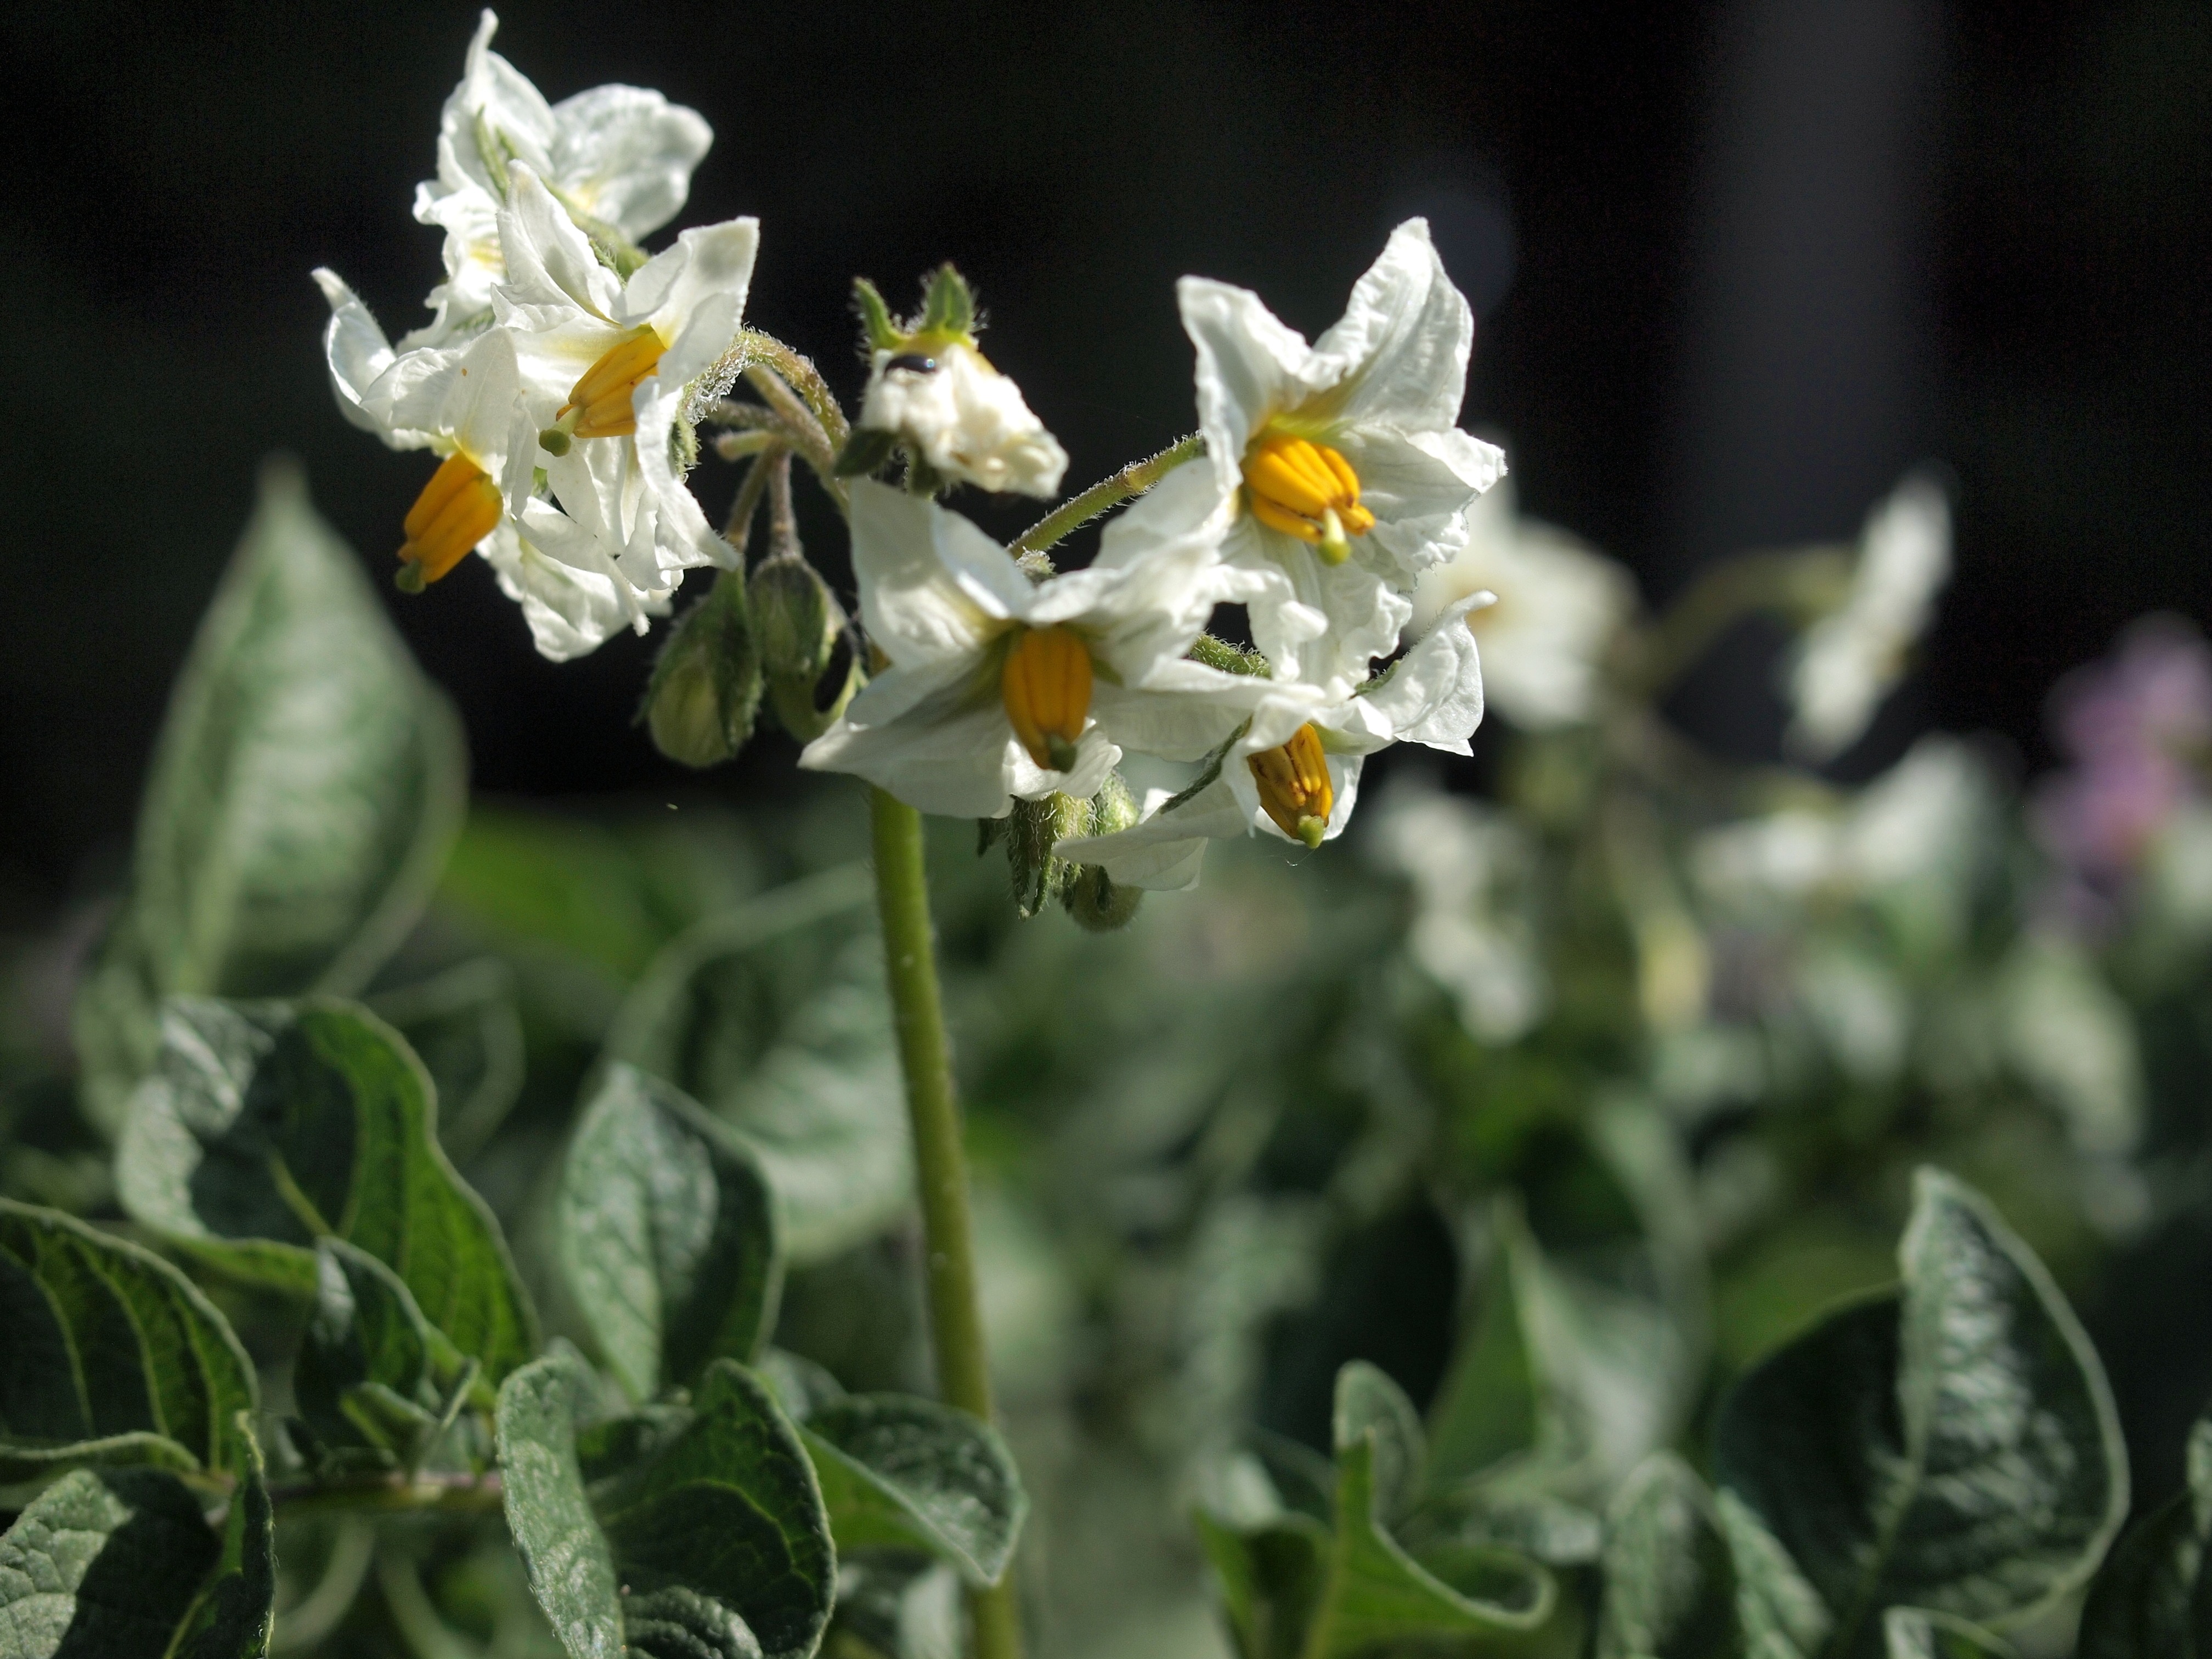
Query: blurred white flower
[(616, 369), (1559, 606), (1471, 867), (618, 159), (1334, 474), (966, 420), (1293, 771), (1922, 824), (1849, 661), (999, 687)]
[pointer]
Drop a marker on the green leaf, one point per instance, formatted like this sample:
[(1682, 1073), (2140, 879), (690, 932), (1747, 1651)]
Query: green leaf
[(1669, 1584), (104, 1562), (1578, 1366), (1916, 1633), (271, 1125), (237, 1611), (1951, 1446), (2152, 1598), (911, 1474), (571, 1567), (306, 787), (1270, 1576), (667, 1235), (716, 1535), (110, 1354), (1370, 1405), (363, 1376), (776, 1019), (463, 1026), (1379, 1594)]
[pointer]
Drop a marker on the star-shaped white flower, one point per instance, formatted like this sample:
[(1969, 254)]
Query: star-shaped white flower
[(618, 370), (1293, 772), (1337, 475), (1558, 606), (999, 687), (619, 158)]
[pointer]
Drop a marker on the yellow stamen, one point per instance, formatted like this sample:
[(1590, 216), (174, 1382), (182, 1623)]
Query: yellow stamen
[(1294, 786), (1046, 684), (602, 395), (458, 508), (1307, 490)]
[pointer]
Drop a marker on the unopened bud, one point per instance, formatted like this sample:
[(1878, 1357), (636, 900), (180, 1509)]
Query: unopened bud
[(1032, 828), (706, 687), (1098, 902), (796, 619)]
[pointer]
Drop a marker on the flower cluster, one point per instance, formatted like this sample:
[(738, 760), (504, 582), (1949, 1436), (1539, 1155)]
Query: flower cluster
[(566, 374)]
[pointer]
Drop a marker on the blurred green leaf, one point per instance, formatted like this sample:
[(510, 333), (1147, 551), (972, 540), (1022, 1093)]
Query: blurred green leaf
[(1915, 1633), (906, 1473), (1952, 1446), (1270, 1578), (667, 1231), (109, 1354), (269, 1126), (718, 1536), (306, 787), (463, 1026), (1669, 1584), (2152, 1599), (776, 1019), (1371, 1406)]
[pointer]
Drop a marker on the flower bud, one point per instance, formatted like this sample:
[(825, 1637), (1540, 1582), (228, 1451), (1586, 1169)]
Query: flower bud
[(796, 619), (1098, 902), (706, 687)]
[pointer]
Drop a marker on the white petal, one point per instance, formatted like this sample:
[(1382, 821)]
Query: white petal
[(570, 612), (496, 96), (1249, 367), (1434, 695), (1419, 501), (709, 262), (624, 155), (969, 421), (963, 767), (1186, 505), (933, 585), (548, 261), (474, 266), (1480, 466), (358, 355), (1315, 622), (1399, 354)]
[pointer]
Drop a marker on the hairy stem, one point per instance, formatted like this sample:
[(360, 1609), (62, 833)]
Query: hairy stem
[(450, 1493), (798, 370), (807, 435), (739, 529), (956, 1322), (1132, 480)]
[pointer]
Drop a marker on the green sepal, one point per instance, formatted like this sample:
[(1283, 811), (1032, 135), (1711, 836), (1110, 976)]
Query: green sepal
[(948, 311), (882, 334), (867, 451)]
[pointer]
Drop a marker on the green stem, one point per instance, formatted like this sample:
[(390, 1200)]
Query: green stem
[(464, 1494), (1796, 585), (956, 1322), (1133, 479)]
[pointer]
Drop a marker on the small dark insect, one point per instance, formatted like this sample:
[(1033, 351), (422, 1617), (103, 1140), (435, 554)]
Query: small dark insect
[(913, 362)]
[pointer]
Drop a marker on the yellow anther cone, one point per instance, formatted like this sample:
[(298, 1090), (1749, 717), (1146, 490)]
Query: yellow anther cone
[(458, 508), (1294, 786), (1046, 684), (602, 396), (1307, 491)]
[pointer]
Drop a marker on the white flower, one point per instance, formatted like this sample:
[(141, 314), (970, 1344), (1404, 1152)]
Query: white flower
[(1337, 475), (1000, 688), (966, 419), (1293, 771), (1848, 662), (473, 412), (1471, 867), (367, 376), (619, 159), (572, 596), (618, 368), (1558, 607)]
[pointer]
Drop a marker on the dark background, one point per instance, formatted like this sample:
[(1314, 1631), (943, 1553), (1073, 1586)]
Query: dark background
[(1738, 264)]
